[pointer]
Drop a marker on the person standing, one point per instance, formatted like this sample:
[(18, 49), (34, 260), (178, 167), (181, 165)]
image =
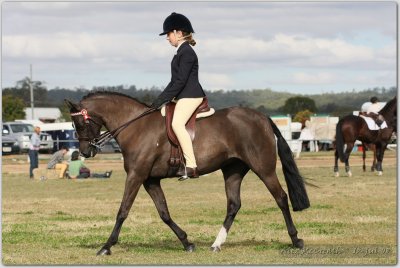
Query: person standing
[(34, 151), (57, 162), (184, 86)]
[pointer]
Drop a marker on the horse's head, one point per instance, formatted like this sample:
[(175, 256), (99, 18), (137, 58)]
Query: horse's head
[(87, 128)]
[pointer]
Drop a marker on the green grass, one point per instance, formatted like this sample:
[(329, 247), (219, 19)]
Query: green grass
[(63, 222)]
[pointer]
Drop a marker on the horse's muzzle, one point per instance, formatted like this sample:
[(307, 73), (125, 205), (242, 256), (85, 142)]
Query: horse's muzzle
[(90, 152)]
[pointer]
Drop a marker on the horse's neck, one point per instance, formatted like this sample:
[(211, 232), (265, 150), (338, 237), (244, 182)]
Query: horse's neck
[(388, 113), (116, 115)]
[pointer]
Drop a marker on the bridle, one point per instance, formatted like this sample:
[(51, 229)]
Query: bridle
[(101, 140)]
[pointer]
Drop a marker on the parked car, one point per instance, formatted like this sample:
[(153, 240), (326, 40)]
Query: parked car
[(111, 147), (22, 132), (9, 145)]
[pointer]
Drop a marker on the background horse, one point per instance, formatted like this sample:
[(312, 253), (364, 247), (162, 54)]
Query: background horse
[(372, 148), (351, 128), (234, 140)]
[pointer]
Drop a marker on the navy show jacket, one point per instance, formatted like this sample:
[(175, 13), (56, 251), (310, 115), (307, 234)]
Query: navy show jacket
[(184, 76)]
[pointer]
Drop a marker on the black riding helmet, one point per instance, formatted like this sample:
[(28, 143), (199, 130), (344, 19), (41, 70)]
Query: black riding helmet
[(374, 99), (177, 22)]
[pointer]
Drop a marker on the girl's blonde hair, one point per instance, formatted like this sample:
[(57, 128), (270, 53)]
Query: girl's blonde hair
[(189, 37)]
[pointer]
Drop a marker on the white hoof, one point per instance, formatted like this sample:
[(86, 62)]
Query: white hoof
[(349, 174), (380, 173), (215, 249), (336, 174)]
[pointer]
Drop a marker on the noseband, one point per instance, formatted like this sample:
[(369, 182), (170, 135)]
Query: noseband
[(102, 139)]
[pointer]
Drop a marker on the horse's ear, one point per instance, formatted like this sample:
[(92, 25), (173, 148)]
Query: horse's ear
[(73, 106)]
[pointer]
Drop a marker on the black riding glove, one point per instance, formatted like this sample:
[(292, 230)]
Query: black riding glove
[(157, 103)]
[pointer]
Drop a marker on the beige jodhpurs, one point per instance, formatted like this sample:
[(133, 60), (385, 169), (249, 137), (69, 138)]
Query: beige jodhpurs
[(61, 168), (183, 111)]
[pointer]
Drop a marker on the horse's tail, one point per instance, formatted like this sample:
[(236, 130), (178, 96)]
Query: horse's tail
[(340, 141), (296, 188)]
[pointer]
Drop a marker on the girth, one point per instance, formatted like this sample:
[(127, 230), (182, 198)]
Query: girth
[(176, 157)]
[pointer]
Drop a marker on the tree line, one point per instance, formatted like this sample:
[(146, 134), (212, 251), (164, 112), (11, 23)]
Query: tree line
[(267, 101)]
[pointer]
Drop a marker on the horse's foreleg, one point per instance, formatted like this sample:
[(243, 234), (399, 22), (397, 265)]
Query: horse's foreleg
[(132, 186), (233, 176), (281, 199), (336, 167), (373, 162), (380, 151), (155, 191)]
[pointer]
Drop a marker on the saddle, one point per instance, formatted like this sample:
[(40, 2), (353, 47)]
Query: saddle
[(371, 115), (176, 156), (374, 121)]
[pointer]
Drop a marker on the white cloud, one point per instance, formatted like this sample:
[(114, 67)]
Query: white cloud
[(82, 46), (215, 81), (289, 51), (313, 78), (237, 41)]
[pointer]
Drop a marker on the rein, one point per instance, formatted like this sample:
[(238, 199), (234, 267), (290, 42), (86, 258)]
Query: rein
[(100, 141)]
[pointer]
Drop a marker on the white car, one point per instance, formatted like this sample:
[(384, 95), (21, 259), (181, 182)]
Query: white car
[(22, 132)]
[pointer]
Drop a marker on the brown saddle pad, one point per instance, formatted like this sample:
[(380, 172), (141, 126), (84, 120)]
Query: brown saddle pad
[(190, 125)]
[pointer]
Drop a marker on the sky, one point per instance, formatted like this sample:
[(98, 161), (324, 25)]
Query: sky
[(298, 47)]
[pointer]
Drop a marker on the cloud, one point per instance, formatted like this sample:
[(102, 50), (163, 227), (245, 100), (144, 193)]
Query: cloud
[(237, 41), (82, 46), (289, 51), (314, 78), (215, 81)]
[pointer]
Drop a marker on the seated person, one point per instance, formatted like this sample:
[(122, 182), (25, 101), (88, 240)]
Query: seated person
[(77, 170), (57, 162)]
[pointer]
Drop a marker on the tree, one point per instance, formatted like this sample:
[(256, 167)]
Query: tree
[(302, 116), (12, 108), (22, 90), (65, 114), (296, 104)]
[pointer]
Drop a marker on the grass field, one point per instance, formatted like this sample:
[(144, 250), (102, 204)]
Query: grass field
[(351, 220)]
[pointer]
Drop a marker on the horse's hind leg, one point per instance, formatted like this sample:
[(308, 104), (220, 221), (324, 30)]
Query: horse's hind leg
[(281, 198), (364, 147), (154, 189), (233, 176), (336, 167), (347, 153)]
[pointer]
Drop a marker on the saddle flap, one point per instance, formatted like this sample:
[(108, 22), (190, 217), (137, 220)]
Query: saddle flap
[(190, 125)]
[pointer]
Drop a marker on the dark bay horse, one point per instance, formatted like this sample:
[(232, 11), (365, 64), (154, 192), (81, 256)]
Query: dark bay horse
[(370, 147), (351, 128), (234, 140)]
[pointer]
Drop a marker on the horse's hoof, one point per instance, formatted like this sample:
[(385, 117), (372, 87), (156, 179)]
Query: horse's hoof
[(103, 251), (349, 174), (380, 173), (215, 249), (299, 243), (336, 174), (190, 248)]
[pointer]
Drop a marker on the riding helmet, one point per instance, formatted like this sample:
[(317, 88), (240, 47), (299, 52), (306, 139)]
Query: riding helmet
[(178, 22), (374, 99)]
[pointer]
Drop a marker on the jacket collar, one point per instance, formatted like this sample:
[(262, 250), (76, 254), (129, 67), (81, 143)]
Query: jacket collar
[(184, 43)]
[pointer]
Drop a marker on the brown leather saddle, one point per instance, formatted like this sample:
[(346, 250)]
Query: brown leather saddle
[(176, 156)]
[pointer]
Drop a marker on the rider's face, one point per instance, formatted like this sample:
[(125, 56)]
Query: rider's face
[(174, 37)]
